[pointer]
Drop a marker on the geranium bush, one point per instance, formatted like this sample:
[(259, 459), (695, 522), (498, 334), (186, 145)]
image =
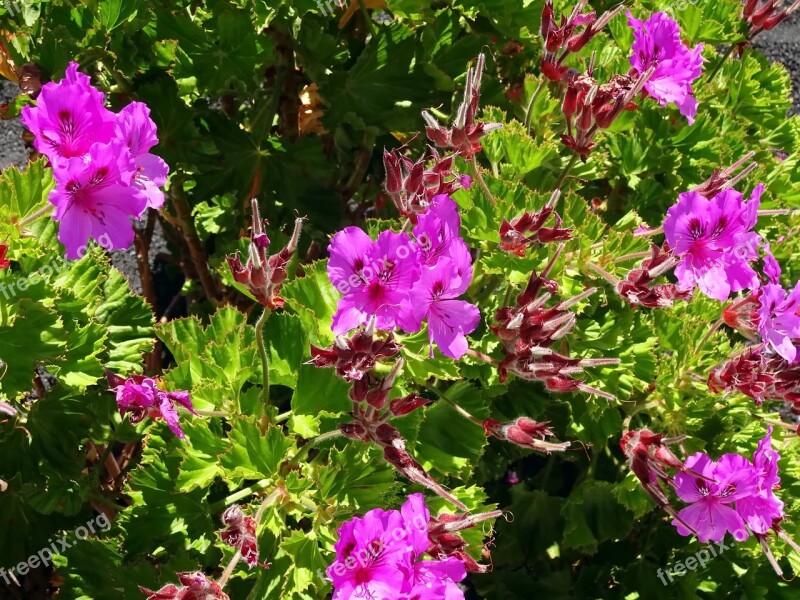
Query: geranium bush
[(469, 300)]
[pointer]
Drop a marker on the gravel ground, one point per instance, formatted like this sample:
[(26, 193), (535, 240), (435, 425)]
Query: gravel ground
[(782, 44)]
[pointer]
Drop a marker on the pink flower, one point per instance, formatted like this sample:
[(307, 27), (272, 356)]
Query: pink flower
[(138, 131), (68, 118), (709, 513), (375, 277), (377, 556), (714, 241), (93, 198), (435, 298), (657, 43), (141, 397), (778, 320), (762, 508)]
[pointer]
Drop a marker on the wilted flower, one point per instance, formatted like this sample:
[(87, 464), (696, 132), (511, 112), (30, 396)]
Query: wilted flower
[(141, 397), (240, 533), (523, 231), (657, 45), (196, 586), (526, 433)]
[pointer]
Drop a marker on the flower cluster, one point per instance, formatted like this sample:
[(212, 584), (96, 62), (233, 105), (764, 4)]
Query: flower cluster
[(141, 397), (568, 36), (380, 554), (402, 282), (763, 15), (733, 495), (413, 185), (261, 274), (638, 288), (195, 586), (521, 232), (530, 329), (105, 173), (661, 66)]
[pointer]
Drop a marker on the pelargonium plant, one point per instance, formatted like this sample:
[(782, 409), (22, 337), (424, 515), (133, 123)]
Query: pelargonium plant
[(395, 300)]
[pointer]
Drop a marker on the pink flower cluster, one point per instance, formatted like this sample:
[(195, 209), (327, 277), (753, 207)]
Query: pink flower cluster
[(379, 556), (141, 397), (105, 173), (402, 282), (732, 495)]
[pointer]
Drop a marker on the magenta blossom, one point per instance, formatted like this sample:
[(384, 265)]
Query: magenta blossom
[(714, 241), (435, 298), (778, 320), (138, 131), (92, 198), (68, 118), (437, 230), (375, 277), (377, 556), (709, 514), (141, 397), (762, 509), (657, 43)]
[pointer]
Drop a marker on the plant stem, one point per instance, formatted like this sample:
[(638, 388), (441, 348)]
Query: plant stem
[(531, 102), (479, 176), (567, 169), (632, 256), (33, 216), (464, 413), (262, 351), (481, 356), (258, 486), (721, 62)]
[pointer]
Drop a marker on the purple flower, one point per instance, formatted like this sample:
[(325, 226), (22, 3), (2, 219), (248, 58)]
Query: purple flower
[(714, 241), (375, 277), (657, 43), (778, 321), (93, 199), (434, 298), (438, 230), (709, 514), (377, 556), (138, 131), (762, 508), (68, 118), (141, 397)]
